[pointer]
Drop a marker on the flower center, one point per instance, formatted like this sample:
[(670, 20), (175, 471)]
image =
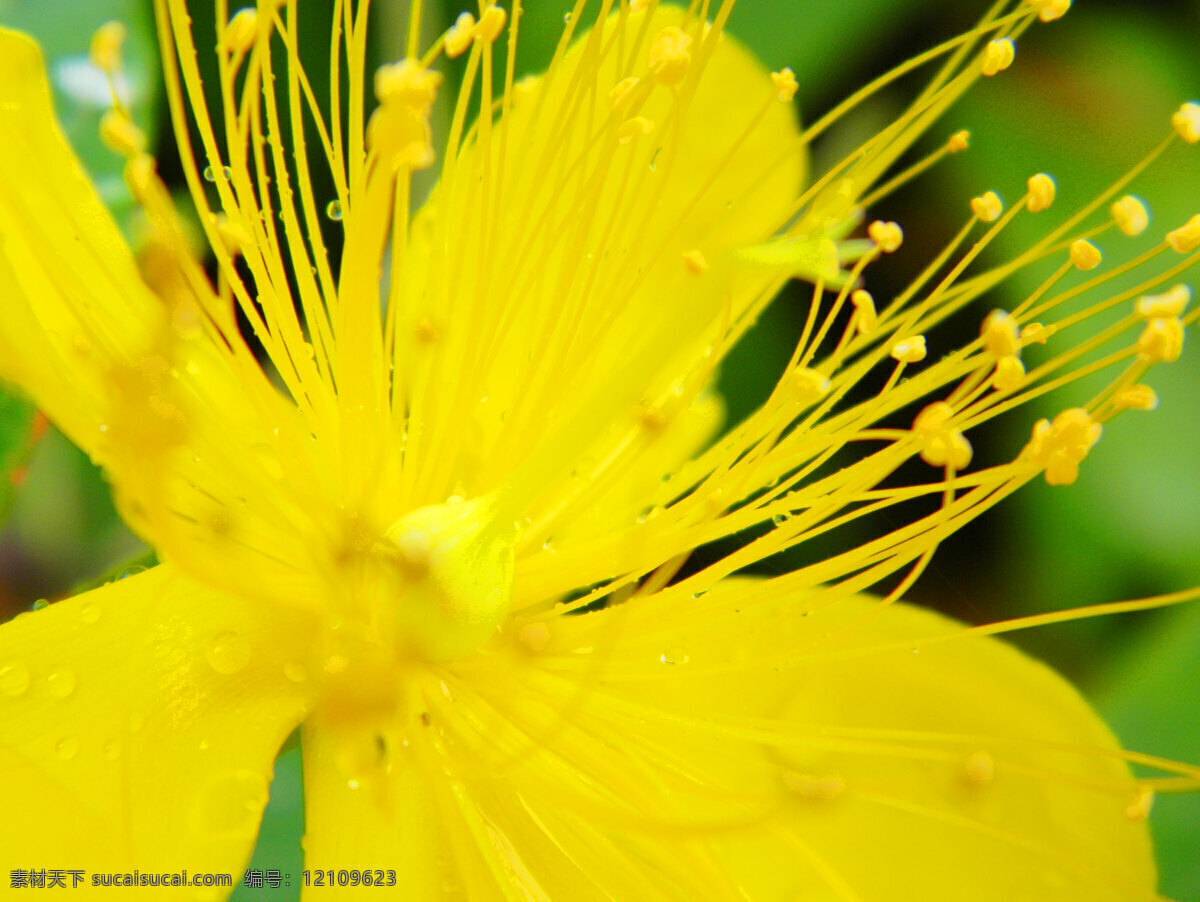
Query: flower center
[(455, 563)]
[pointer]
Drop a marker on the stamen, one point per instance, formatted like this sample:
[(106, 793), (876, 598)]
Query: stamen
[(460, 35), (120, 135), (1058, 447), (669, 55), (241, 32), (910, 350), (1041, 192), (998, 55), (1049, 10), (987, 208), (889, 236), (1085, 255), (865, 316), (1186, 238), (785, 84), (1186, 122), (1130, 215)]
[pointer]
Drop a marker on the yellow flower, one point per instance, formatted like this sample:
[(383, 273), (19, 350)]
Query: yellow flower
[(379, 528)]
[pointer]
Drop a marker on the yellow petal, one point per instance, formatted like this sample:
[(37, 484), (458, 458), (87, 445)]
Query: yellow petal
[(735, 746), (138, 725), (73, 303)]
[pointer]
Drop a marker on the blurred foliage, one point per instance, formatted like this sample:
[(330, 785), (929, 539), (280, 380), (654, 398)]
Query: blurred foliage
[(1085, 100)]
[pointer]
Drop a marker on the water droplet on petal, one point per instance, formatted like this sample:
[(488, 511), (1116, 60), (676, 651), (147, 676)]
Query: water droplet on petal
[(231, 804), (67, 748), (14, 678), (60, 682), (40, 605), (676, 654), (334, 210), (228, 652), (90, 612), (112, 749), (295, 671)]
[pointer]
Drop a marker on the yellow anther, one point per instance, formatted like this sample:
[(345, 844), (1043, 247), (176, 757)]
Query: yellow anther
[(809, 385), (987, 207), (1041, 192), (959, 141), (980, 767), (407, 82), (1170, 303), (887, 235), (105, 50), (998, 55), (242, 31), (1130, 215), (1162, 340), (933, 418), (1085, 255), (1139, 809), (399, 129), (120, 135), (941, 444), (140, 175), (864, 306), (491, 23), (637, 6), (634, 128), (460, 35), (621, 92), (1059, 446), (1035, 334), (669, 56), (696, 262), (1186, 122), (1000, 335), (1136, 397), (949, 449), (1186, 238), (910, 350), (1049, 10), (817, 788), (1009, 373), (785, 84)]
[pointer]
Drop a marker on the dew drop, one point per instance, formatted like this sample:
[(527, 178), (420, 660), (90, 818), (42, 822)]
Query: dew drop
[(780, 519), (40, 605), (67, 748), (295, 671), (231, 804), (90, 612), (333, 210), (676, 654), (60, 682), (228, 652), (566, 18), (112, 750), (14, 678), (210, 174)]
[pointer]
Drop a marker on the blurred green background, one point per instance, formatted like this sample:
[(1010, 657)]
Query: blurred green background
[(1086, 98)]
